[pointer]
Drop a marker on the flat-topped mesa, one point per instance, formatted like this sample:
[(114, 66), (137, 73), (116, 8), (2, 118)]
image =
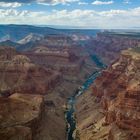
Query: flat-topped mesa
[(19, 74), (20, 115), (60, 59), (52, 51), (57, 41), (118, 89), (66, 54), (123, 39)]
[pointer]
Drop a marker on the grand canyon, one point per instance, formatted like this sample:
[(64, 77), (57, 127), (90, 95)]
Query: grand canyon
[(77, 84)]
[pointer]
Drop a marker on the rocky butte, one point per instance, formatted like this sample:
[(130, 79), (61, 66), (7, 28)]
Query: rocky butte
[(111, 109), (60, 59), (19, 74)]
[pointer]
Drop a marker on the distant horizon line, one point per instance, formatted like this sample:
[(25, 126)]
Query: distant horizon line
[(72, 27)]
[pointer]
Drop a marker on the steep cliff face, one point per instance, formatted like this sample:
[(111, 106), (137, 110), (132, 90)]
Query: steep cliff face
[(20, 115), (120, 92), (117, 94), (19, 74)]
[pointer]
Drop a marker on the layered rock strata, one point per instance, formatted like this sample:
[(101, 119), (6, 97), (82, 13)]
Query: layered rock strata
[(19, 74), (117, 94)]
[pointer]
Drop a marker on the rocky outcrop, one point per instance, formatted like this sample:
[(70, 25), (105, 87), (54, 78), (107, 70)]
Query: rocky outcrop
[(110, 109), (31, 38), (20, 115), (19, 74), (118, 90)]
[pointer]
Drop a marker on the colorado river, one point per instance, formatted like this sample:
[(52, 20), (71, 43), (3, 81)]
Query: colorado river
[(71, 102)]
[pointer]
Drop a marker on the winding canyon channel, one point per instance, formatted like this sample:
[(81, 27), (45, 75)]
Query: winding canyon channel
[(72, 100)]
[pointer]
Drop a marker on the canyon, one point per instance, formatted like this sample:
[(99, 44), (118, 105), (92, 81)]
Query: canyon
[(39, 77), (110, 109)]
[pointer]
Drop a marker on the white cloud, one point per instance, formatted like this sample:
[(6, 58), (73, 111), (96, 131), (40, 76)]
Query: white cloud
[(84, 18), (12, 13), (55, 2), (12, 4), (82, 3), (97, 2)]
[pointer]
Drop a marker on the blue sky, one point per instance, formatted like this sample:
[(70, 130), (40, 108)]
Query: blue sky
[(82, 13), (82, 4)]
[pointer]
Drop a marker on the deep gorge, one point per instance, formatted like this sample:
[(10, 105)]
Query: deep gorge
[(70, 112), (74, 87)]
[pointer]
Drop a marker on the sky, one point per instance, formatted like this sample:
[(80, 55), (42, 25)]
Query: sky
[(105, 14)]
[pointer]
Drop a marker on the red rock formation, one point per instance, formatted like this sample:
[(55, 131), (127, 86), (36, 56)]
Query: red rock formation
[(20, 115), (60, 59), (19, 74), (119, 91)]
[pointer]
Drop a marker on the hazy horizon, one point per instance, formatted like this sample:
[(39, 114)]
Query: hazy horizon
[(73, 27)]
